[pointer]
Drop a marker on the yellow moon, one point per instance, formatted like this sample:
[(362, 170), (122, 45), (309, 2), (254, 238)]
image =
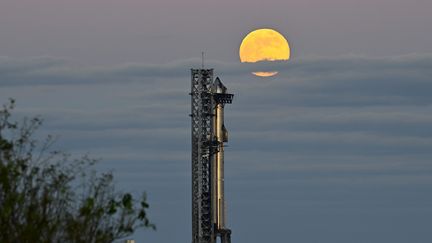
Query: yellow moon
[(264, 45)]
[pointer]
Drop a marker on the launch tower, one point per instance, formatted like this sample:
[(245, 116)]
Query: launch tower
[(209, 97)]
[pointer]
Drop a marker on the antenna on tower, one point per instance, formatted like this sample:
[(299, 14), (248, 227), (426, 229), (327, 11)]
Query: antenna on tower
[(202, 60)]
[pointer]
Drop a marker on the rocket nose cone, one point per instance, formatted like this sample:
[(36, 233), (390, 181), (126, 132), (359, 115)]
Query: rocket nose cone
[(220, 88)]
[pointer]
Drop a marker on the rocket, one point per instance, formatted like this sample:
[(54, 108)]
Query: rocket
[(220, 97), (208, 99)]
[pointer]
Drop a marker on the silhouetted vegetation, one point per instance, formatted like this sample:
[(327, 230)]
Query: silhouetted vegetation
[(46, 196)]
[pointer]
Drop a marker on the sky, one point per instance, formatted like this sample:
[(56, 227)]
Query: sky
[(336, 148)]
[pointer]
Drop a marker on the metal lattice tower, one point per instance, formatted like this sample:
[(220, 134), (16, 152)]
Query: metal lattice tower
[(208, 98)]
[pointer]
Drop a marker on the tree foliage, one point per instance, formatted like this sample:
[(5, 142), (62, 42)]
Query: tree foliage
[(46, 196)]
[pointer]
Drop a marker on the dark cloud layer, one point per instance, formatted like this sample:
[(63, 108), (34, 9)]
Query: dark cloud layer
[(40, 70), (336, 146)]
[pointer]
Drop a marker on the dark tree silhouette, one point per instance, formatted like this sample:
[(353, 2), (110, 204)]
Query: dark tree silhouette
[(46, 196)]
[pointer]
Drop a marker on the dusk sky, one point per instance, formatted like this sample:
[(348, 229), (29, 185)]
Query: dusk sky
[(335, 148)]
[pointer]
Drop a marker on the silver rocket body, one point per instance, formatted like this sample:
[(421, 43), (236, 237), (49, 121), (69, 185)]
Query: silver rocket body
[(208, 137), (221, 136)]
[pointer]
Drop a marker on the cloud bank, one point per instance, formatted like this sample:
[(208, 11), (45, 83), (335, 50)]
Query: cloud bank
[(327, 136)]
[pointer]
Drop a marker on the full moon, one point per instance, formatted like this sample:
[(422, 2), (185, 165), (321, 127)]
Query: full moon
[(264, 45)]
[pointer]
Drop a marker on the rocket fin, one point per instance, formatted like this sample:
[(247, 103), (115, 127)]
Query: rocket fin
[(224, 134)]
